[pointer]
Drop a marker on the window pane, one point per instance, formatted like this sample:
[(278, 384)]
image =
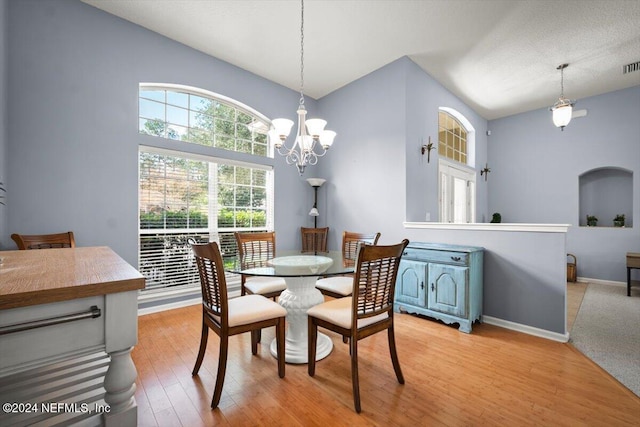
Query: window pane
[(226, 195), (258, 198), (152, 127), (224, 111), (244, 118), (151, 109), (198, 103), (177, 115), (259, 177), (243, 197), (242, 131), (224, 127), (178, 98), (259, 218), (201, 137), (260, 150), (243, 176), (228, 143), (243, 146), (177, 132), (156, 95), (200, 120)]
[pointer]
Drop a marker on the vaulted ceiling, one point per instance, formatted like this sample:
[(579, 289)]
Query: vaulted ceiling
[(498, 56)]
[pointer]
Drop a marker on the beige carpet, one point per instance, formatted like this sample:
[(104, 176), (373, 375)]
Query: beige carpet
[(607, 330)]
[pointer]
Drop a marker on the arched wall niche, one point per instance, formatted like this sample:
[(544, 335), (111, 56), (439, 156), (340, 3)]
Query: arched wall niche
[(604, 193)]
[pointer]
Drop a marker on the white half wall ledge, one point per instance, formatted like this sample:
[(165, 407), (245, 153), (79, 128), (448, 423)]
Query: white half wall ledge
[(534, 228)]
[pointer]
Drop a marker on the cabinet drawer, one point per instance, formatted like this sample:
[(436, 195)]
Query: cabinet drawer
[(432, 255)]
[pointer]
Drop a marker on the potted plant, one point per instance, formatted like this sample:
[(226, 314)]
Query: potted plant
[(618, 221), (496, 218), (592, 221)]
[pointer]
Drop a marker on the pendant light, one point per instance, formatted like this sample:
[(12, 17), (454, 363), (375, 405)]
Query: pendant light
[(563, 108), (311, 140)]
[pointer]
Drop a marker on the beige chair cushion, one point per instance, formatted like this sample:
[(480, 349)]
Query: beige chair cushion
[(342, 285), (262, 285), (250, 309), (338, 312)]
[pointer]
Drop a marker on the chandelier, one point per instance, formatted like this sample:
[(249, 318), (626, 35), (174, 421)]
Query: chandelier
[(311, 140), (563, 108)]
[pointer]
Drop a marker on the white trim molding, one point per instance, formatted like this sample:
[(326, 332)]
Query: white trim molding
[(535, 228), (525, 329), (601, 281)]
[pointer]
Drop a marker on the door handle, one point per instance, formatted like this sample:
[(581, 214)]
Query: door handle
[(421, 285), (433, 288)]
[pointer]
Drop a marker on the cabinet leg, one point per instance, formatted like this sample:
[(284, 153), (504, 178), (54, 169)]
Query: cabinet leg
[(119, 383)]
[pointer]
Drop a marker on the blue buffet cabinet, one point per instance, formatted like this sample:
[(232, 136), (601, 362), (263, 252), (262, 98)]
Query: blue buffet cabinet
[(441, 281)]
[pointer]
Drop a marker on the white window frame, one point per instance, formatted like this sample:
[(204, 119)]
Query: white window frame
[(190, 151)]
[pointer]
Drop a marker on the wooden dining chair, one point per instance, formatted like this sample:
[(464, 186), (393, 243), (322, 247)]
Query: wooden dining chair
[(340, 286), (254, 250), (314, 239), (369, 310), (227, 317), (44, 241)]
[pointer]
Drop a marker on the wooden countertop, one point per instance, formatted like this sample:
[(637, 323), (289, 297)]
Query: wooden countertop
[(43, 276)]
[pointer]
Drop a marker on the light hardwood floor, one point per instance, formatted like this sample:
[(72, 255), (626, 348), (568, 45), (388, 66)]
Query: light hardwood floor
[(491, 377)]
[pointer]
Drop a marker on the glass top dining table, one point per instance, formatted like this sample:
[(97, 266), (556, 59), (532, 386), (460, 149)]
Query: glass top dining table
[(296, 264), (300, 272)]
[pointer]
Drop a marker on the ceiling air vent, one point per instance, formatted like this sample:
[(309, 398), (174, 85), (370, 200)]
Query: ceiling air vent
[(629, 68)]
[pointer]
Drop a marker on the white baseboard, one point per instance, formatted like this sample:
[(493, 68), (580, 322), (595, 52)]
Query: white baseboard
[(171, 306), (530, 330), (185, 303), (601, 282)]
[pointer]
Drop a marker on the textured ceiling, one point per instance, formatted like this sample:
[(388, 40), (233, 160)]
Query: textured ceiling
[(498, 56)]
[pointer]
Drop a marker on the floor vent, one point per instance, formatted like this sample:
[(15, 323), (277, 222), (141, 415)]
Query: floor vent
[(629, 68)]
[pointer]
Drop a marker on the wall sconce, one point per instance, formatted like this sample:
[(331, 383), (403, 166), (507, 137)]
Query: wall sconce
[(485, 171), (427, 148)]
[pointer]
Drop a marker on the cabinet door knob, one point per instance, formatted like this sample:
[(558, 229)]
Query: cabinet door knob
[(421, 285), (433, 288), (455, 258)]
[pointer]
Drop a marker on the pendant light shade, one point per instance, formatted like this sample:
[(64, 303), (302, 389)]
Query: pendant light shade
[(562, 110), (562, 114)]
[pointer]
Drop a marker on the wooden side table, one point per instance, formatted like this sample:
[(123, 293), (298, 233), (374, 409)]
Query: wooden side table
[(633, 261)]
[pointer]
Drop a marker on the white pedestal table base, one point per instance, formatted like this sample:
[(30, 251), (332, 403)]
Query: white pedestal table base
[(301, 294)]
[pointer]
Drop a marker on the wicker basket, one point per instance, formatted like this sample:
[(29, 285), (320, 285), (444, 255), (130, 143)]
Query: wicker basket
[(572, 269)]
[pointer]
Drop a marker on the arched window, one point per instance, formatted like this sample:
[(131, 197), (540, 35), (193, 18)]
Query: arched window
[(457, 182), (185, 195), (202, 117)]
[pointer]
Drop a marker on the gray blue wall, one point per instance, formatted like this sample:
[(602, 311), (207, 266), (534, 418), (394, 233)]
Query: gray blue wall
[(376, 174), (72, 127), (535, 171), (3, 113)]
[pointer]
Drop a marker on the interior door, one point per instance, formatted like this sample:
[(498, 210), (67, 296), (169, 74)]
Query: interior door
[(457, 193)]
